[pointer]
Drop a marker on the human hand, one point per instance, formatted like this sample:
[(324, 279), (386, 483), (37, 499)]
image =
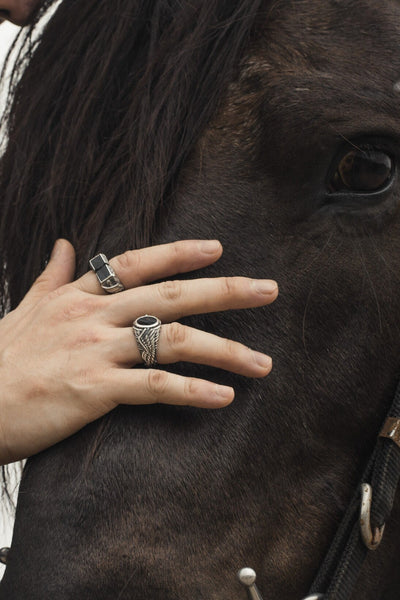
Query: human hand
[(67, 350)]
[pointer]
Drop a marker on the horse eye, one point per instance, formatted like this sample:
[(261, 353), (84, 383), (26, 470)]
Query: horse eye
[(359, 170)]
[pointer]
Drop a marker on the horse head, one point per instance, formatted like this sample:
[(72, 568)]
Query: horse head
[(296, 173)]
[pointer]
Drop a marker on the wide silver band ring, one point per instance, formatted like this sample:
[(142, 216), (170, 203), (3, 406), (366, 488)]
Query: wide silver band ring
[(146, 330), (105, 274)]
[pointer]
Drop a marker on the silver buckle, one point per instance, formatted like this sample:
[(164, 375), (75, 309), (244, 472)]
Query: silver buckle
[(371, 539)]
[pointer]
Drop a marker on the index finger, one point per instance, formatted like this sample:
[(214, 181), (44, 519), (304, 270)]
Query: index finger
[(138, 267)]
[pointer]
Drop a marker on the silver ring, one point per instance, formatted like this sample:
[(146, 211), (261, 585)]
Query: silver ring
[(105, 274), (147, 333)]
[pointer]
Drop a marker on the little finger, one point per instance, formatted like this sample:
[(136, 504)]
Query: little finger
[(150, 386)]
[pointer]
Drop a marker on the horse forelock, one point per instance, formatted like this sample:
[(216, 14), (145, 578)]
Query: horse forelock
[(142, 89)]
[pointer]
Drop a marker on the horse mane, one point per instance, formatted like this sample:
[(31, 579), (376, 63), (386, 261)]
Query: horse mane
[(106, 105)]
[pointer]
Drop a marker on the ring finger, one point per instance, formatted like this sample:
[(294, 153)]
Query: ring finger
[(182, 343)]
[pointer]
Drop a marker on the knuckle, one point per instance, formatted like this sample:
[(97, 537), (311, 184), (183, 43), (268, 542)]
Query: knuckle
[(52, 304), (126, 261), (170, 290), (191, 387), (80, 307), (231, 349), (8, 356), (85, 381), (229, 286), (43, 283), (176, 334), (39, 389), (178, 250), (157, 382), (57, 293), (87, 337)]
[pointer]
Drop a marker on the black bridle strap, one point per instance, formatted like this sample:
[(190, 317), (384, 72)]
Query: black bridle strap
[(341, 568)]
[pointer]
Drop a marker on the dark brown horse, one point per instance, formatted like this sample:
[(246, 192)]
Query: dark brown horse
[(275, 127)]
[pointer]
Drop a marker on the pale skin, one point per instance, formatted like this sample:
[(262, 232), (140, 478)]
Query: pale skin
[(19, 12), (67, 351)]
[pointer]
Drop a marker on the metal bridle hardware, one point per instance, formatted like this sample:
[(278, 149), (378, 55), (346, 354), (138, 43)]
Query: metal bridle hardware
[(4, 555), (371, 539), (391, 430), (338, 574), (247, 577)]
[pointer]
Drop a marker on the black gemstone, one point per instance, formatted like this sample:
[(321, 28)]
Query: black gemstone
[(103, 273), (97, 262), (147, 320)]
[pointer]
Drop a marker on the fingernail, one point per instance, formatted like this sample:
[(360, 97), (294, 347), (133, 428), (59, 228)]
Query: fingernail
[(265, 286), (210, 246), (56, 249), (224, 392), (262, 360)]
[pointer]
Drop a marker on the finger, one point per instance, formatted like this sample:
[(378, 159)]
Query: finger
[(137, 267), (172, 300), (150, 386), (182, 343), (59, 271)]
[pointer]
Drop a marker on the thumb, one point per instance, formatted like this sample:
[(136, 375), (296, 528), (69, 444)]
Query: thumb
[(59, 271)]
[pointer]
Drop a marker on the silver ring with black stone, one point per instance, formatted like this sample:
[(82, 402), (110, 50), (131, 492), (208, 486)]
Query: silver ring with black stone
[(146, 330), (109, 281)]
